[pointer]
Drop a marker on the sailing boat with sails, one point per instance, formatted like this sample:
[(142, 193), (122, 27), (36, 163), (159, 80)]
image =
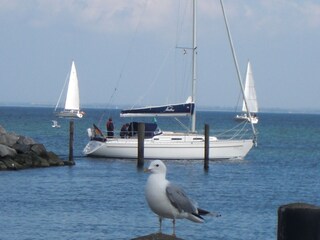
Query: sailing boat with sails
[(72, 103), (251, 98), (168, 144)]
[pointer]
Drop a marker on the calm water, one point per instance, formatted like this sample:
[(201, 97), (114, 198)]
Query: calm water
[(104, 199)]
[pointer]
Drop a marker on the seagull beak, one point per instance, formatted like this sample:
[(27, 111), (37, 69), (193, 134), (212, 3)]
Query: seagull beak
[(147, 170)]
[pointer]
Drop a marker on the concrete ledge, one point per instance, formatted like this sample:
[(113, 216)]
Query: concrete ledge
[(157, 236)]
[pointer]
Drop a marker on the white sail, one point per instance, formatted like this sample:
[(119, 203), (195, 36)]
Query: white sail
[(250, 92), (72, 104), (73, 99)]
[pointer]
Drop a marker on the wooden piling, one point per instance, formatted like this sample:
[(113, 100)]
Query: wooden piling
[(71, 130), (206, 146), (141, 130), (298, 221)]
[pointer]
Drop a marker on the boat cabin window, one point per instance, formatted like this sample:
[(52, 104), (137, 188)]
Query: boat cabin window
[(198, 138)]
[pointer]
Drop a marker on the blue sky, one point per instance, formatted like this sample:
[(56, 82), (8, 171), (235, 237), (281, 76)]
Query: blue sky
[(129, 45)]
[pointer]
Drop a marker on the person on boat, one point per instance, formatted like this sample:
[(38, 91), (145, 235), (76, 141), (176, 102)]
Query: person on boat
[(124, 130), (110, 128)]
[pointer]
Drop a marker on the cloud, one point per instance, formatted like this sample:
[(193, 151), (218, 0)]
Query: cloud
[(311, 12), (96, 15), (276, 16), (121, 16)]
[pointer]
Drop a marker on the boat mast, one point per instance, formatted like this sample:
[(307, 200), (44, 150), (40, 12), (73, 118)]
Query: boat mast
[(194, 70), (238, 71)]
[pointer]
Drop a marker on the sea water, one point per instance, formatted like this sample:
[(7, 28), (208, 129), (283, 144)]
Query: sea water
[(104, 198)]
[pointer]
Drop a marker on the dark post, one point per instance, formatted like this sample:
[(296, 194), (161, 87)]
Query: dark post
[(71, 129), (141, 129), (206, 146), (298, 221)]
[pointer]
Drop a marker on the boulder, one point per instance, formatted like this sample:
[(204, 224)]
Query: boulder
[(8, 139), (54, 160), (21, 148), (39, 149), (6, 151), (3, 166), (24, 160), (11, 164), (2, 130), (25, 140), (157, 236), (38, 161)]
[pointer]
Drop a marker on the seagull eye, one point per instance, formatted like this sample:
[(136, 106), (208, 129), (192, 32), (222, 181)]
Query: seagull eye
[(157, 165)]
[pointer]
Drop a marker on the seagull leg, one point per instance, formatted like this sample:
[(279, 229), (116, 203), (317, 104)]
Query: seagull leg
[(174, 227), (160, 225)]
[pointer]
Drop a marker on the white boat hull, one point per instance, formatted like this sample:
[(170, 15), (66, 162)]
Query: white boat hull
[(254, 120), (165, 148), (70, 114)]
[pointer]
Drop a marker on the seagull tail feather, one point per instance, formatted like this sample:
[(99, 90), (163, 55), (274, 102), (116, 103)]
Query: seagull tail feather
[(195, 218), (205, 212)]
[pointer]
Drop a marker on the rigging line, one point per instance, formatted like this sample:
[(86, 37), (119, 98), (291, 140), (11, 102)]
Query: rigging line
[(232, 130), (165, 59), (154, 79), (182, 124), (238, 102), (184, 74), (132, 41), (237, 67), (178, 78), (63, 88), (181, 72), (181, 76), (182, 14)]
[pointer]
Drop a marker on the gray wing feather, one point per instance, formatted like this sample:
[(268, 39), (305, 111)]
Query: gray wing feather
[(179, 199)]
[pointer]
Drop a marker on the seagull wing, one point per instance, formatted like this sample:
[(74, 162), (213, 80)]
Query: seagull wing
[(179, 199)]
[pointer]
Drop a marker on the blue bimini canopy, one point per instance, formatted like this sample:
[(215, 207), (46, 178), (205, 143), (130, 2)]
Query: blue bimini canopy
[(150, 129)]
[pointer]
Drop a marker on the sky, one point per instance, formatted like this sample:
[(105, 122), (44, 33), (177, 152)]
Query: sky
[(132, 52)]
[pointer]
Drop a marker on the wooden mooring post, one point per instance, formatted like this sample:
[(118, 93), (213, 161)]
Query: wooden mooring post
[(141, 130), (297, 221), (71, 139), (206, 147)]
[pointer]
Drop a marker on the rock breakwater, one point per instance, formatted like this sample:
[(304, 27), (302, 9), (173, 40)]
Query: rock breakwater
[(21, 152)]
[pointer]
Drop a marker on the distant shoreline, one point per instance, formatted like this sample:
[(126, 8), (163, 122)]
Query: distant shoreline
[(200, 108)]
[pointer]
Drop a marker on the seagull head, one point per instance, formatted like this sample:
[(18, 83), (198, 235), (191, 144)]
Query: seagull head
[(157, 166)]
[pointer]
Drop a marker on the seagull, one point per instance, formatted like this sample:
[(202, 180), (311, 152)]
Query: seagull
[(168, 200)]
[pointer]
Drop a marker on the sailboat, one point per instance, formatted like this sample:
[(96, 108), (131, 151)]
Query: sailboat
[(168, 144), (72, 103), (251, 98)]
